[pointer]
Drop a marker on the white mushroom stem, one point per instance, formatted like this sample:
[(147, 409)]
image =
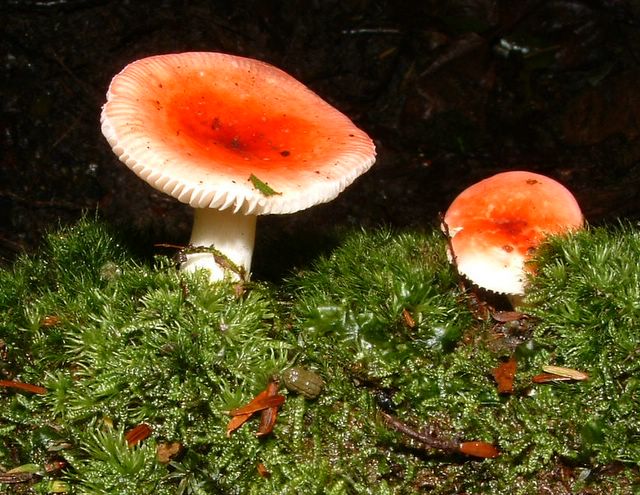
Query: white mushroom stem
[(230, 234)]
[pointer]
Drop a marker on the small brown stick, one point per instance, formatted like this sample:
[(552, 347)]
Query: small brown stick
[(429, 440), (454, 259), (17, 477), (482, 450), (33, 203)]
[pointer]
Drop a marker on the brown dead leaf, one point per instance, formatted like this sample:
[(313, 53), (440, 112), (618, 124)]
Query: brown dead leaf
[(137, 434), (504, 375), (167, 451), (267, 400), (507, 316)]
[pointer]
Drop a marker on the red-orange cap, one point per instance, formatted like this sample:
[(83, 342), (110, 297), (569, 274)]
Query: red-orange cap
[(228, 132), (496, 225)]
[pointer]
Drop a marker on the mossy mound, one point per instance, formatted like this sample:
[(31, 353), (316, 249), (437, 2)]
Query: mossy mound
[(382, 319)]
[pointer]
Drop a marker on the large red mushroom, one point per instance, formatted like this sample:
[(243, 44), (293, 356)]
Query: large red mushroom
[(234, 138), (496, 225)]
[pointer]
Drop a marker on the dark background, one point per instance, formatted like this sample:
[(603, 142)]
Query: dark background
[(451, 91)]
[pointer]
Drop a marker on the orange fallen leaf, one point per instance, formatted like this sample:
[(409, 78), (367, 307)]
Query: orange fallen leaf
[(267, 420), (408, 318), (479, 449), (507, 316), (137, 434), (263, 471), (236, 422), (549, 377), (504, 375), (258, 405), (268, 416), (50, 321), (239, 419), (27, 387), (263, 401)]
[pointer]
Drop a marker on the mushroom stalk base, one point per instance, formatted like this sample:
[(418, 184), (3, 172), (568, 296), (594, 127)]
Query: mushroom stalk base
[(230, 234)]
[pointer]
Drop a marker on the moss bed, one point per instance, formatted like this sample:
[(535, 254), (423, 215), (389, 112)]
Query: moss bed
[(116, 342)]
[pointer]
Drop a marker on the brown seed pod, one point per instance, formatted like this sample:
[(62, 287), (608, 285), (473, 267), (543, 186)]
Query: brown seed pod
[(303, 381)]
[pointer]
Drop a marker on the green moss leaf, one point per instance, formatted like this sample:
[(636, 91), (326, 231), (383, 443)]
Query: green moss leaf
[(118, 341)]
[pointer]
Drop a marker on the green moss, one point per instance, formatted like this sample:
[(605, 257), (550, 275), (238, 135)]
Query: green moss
[(588, 300), (117, 342)]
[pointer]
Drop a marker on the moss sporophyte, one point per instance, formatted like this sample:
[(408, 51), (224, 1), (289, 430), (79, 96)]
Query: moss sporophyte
[(140, 366)]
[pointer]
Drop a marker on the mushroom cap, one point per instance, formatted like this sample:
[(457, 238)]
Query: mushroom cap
[(496, 225), (227, 132)]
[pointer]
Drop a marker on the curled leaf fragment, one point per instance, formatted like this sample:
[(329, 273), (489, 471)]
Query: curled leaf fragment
[(267, 402), (262, 186), (258, 404)]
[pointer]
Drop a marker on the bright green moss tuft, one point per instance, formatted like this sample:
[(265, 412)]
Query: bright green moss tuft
[(587, 296), (381, 319)]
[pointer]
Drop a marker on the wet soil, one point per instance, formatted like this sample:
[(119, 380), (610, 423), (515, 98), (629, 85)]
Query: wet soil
[(451, 92)]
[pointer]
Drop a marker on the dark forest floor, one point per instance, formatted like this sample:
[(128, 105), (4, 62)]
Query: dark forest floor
[(451, 92)]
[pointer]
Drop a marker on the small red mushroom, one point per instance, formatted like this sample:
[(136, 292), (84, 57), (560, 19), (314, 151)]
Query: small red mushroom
[(234, 138), (496, 225)]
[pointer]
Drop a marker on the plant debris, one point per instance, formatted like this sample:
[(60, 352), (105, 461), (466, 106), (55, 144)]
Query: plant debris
[(266, 402), (262, 186), (504, 375)]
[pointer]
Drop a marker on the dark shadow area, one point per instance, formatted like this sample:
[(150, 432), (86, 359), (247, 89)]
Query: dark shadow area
[(451, 91)]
